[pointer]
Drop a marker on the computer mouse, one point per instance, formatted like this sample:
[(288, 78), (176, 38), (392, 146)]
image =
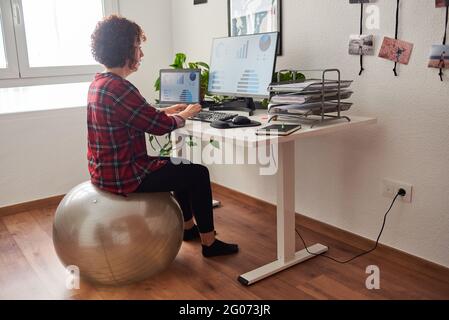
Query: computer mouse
[(219, 124), (241, 120)]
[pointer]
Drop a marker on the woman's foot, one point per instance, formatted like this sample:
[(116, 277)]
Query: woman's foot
[(191, 234), (219, 248)]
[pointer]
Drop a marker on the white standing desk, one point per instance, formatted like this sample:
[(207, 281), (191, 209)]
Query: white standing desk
[(286, 251)]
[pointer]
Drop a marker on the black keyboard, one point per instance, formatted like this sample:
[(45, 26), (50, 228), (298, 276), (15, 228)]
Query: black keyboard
[(211, 116)]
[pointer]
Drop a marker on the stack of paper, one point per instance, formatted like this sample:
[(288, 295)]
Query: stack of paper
[(306, 98), (299, 98), (308, 108), (309, 86)]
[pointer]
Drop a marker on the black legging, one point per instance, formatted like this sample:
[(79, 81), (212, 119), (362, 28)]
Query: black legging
[(191, 186)]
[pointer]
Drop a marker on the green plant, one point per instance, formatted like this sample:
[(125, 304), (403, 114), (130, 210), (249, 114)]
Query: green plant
[(166, 147), (288, 76)]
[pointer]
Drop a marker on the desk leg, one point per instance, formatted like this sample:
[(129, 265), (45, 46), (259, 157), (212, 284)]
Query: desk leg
[(286, 255)]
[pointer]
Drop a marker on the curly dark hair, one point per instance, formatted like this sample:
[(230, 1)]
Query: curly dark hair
[(114, 42)]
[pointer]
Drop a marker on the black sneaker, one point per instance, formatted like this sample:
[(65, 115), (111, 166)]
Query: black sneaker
[(191, 234), (219, 248)]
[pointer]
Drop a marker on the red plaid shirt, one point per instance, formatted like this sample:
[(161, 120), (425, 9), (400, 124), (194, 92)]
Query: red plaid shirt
[(117, 119)]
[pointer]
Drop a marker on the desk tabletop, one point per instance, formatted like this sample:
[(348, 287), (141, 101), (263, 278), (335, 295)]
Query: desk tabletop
[(248, 137)]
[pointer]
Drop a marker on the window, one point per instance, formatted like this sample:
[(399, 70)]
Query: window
[(49, 38), (2, 47), (8, 58)]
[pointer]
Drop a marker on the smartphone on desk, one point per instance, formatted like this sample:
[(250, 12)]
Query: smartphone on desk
[(278, 129)]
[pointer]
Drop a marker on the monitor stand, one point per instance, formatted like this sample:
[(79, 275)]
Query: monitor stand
[(243, 104)]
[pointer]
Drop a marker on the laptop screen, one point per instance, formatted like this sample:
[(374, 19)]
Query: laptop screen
[(180, 86)]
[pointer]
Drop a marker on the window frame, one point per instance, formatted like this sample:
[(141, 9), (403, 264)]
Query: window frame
[(21, 73), (12, 69)]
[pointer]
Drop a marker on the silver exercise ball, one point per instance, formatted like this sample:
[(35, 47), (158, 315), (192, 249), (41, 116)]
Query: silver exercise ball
[(116, 240)]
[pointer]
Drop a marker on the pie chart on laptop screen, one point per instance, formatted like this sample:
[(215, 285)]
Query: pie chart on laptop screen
[(192, 76)]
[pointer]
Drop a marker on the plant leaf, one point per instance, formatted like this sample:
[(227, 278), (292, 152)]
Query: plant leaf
[(180, 59), (265, 103), (151, 142), (165, 151), (287, 76), (300, 76), (215, 143), (157, 84), (191, 144), (203, 64)]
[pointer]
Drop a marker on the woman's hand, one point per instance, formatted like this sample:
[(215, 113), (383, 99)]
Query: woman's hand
[(190, 111), (177, 108)]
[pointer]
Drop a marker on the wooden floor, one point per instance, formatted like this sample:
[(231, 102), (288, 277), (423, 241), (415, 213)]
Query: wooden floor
[(29, 268)]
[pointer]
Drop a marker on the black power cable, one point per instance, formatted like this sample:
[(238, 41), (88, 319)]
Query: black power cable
[(401, 193)]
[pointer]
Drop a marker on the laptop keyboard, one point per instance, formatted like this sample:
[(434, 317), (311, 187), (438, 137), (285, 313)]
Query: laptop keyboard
[(211, 116)]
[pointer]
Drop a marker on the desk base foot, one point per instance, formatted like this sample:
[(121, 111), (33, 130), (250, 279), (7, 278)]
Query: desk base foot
[(267, 270)]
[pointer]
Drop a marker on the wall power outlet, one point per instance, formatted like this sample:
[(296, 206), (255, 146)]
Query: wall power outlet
[(390, 188)]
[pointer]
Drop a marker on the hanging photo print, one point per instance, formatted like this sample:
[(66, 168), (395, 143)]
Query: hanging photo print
[(441, 3), (439, 57), (361, 44), (396, 50), (440, 53)]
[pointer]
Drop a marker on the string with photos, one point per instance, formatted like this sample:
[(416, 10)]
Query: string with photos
[(361, 32), (396, 34)]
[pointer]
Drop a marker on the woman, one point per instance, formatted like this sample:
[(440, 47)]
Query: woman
[(118, 117)]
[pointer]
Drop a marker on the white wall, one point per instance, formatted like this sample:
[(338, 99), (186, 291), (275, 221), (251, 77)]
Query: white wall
[(43, 153), (154, 16), (338, 177)]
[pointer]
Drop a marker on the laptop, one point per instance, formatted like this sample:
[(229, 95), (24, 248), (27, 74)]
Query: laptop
[(179, 86), (182, 86)]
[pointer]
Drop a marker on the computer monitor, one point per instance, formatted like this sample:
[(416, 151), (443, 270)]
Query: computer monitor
[(243, 66), (179, 86)]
